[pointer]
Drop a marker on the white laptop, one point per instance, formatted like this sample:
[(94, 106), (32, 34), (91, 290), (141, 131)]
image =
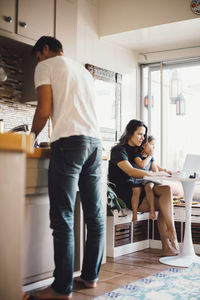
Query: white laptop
[(191, 165)]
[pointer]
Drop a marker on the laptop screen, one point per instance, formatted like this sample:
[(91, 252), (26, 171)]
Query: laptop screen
[(191, 164)]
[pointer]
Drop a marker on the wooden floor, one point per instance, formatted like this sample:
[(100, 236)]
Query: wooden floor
[(122, 270)]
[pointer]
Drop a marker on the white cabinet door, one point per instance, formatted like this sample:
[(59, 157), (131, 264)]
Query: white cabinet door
[(7, 15), (35, 18)]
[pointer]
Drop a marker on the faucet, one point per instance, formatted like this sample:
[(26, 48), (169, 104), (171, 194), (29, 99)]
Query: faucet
[(23, 127)]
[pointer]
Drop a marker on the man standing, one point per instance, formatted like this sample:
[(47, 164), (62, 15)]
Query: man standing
[(66, 93)]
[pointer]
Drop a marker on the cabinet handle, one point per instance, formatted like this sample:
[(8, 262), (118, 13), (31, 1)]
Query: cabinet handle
[(8, 19), (195, 215), (23, 24)]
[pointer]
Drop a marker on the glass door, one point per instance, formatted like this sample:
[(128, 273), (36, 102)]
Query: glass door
[(171, 107)]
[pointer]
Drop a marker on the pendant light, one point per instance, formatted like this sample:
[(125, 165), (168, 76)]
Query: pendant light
[(180, 105), (174, 87)]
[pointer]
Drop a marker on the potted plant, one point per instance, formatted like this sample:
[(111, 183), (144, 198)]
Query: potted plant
[(114, 202)]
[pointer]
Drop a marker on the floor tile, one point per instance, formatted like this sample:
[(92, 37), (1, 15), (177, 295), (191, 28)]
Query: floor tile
[(121, 271)]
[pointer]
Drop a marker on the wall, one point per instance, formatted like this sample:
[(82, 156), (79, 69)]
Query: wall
[(124, 15), (91, 49)]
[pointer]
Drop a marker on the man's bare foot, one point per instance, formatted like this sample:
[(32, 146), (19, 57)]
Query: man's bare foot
[(49, 293), (134, 218), (88, 284)]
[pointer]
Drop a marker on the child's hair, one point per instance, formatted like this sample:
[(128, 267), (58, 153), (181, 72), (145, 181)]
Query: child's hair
[(150, 138)]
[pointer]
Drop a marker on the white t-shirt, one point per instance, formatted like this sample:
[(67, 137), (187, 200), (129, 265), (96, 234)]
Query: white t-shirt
[(73, 111)]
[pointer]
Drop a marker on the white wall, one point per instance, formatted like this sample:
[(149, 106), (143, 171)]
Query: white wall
[(92, 50), (124, 15)]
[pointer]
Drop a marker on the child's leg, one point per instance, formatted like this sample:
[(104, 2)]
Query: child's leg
[(150, 198), (135, 201)]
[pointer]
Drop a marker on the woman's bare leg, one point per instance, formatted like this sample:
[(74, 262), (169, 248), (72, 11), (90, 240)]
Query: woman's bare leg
[(167, 248), (165, 206), (135, 201), (150, 199), (162, 226)]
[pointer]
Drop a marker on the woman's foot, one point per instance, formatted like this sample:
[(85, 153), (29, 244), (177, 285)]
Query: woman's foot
[(171, 235), (48, 294), (168, 250)]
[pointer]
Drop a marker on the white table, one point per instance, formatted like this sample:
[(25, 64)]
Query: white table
[(187, 255)]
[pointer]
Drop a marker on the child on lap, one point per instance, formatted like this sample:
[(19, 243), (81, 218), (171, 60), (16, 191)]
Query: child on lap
[(145, 160)]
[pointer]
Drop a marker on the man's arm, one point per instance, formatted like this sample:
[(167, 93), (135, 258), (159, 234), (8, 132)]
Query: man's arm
[(43, 109)]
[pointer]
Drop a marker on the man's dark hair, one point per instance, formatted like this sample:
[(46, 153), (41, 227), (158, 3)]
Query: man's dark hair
[(54, 45)]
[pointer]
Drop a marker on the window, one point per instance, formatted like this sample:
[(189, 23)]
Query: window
[(108, 103), (170, 106)]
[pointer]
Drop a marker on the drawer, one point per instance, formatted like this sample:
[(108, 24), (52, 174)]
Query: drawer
[(140, 231), (122, 234)]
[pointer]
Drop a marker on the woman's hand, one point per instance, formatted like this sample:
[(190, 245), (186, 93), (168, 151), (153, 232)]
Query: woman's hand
[(167, 171)]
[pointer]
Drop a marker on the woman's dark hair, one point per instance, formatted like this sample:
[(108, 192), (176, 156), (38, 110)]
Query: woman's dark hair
[(54, 45), (129, 131)]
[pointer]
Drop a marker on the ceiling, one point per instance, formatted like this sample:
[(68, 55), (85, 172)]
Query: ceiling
[(167, 36)]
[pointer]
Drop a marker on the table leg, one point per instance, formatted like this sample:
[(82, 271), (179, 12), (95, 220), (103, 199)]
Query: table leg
[(187, 255)]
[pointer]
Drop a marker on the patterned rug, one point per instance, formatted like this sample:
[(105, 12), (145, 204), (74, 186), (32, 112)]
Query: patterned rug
[(173, 284)]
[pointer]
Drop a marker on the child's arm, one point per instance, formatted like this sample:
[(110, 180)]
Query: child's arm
[(154, 167), (142, 163)]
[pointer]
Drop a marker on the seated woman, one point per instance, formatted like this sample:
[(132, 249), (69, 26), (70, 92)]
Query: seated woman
[(121, 171)]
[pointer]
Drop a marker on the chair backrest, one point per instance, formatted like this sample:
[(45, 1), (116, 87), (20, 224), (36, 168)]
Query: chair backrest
[(191, 164)]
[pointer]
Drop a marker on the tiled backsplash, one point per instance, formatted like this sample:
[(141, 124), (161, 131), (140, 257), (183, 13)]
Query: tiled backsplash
[(15, 114), (12, 111), (11, 62)]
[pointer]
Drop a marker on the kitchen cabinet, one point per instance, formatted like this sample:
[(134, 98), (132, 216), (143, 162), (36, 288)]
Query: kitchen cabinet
[(34, 18), (8, 15), (12, 185), (38, 263)]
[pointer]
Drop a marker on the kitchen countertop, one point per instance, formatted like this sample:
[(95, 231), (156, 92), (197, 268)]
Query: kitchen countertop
[(39, 153), (22, 142), (45, 153)]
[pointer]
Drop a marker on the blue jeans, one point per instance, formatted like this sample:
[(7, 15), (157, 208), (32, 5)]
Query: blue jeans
[(75, 162)]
